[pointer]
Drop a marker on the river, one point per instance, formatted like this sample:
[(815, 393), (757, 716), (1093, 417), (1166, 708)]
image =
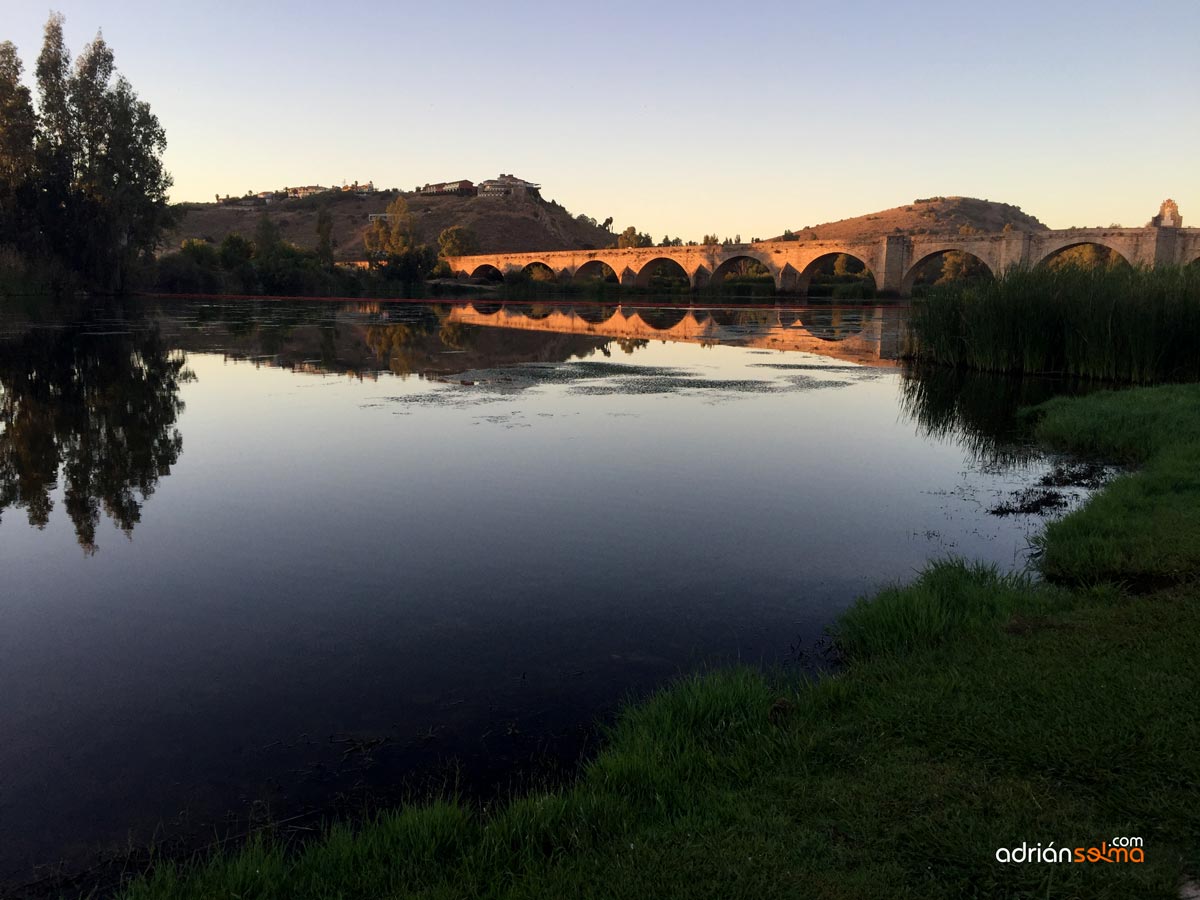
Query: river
[(264, 560)]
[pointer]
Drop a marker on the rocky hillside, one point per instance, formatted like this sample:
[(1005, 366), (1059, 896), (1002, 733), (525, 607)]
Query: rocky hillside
[(500, 223), (935, 215)]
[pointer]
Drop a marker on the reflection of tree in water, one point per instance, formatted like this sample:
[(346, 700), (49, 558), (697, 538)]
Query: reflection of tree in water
[(397, 344), (102, 408), (393, 346), (455, 335), (628, 346), (978, 410)]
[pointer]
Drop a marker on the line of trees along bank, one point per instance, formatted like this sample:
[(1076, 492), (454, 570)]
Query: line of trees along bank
[(83, 191), (399, 261)]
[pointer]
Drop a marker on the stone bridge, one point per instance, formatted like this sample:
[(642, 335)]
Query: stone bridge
[(893, 260)]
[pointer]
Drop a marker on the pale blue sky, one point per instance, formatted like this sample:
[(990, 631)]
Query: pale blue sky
[(675, 117)]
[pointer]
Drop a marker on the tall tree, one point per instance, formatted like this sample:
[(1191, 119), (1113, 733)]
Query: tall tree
[(393, 234), (393, 243), (91, 112), (120, 180), (267, 240), (55, 144), (53, 72), (18, 122), (325, 235), (18, 131)]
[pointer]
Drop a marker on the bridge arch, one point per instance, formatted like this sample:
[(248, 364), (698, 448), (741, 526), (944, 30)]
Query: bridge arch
[(972, 266), (739, 262), (537, 270), (826, 268), (488, 272), (743, 264), (661, 268), (597, 269), (1048, 257)]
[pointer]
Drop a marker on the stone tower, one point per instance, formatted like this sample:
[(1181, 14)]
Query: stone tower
[(1168, 216)]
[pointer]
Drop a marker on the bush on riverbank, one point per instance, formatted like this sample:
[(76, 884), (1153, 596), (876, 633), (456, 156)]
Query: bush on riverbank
[(975, 712), (1119, 324)]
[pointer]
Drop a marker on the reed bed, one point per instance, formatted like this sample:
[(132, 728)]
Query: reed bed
[(1121, 324)]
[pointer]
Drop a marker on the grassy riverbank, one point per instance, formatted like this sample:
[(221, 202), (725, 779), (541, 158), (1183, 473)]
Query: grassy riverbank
[(1119, 324), (975, 712)]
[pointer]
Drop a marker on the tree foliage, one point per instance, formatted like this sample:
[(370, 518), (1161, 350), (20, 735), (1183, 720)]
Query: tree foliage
[(457, 240), (82, 181), (1086, 256), (957, 265), (630, 237), (18, 134), (393, 233)]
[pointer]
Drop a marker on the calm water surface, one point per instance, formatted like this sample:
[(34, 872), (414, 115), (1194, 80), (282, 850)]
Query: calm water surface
[(260, 556)]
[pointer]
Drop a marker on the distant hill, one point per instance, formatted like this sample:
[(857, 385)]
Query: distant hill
[(935, 215), (501, 224)]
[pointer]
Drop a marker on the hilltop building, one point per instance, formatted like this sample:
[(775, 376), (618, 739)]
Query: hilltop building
[(462, 188), (508, 186), (299, 193)]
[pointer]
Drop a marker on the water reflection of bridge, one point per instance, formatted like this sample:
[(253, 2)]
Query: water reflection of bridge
[(867, 334)]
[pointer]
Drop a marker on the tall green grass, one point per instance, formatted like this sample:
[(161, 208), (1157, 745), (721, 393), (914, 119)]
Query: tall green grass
[(1144, 528), (949, 599), (1121, 324)]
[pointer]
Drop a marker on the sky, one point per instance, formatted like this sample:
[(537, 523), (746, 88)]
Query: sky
[(677, 118)]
